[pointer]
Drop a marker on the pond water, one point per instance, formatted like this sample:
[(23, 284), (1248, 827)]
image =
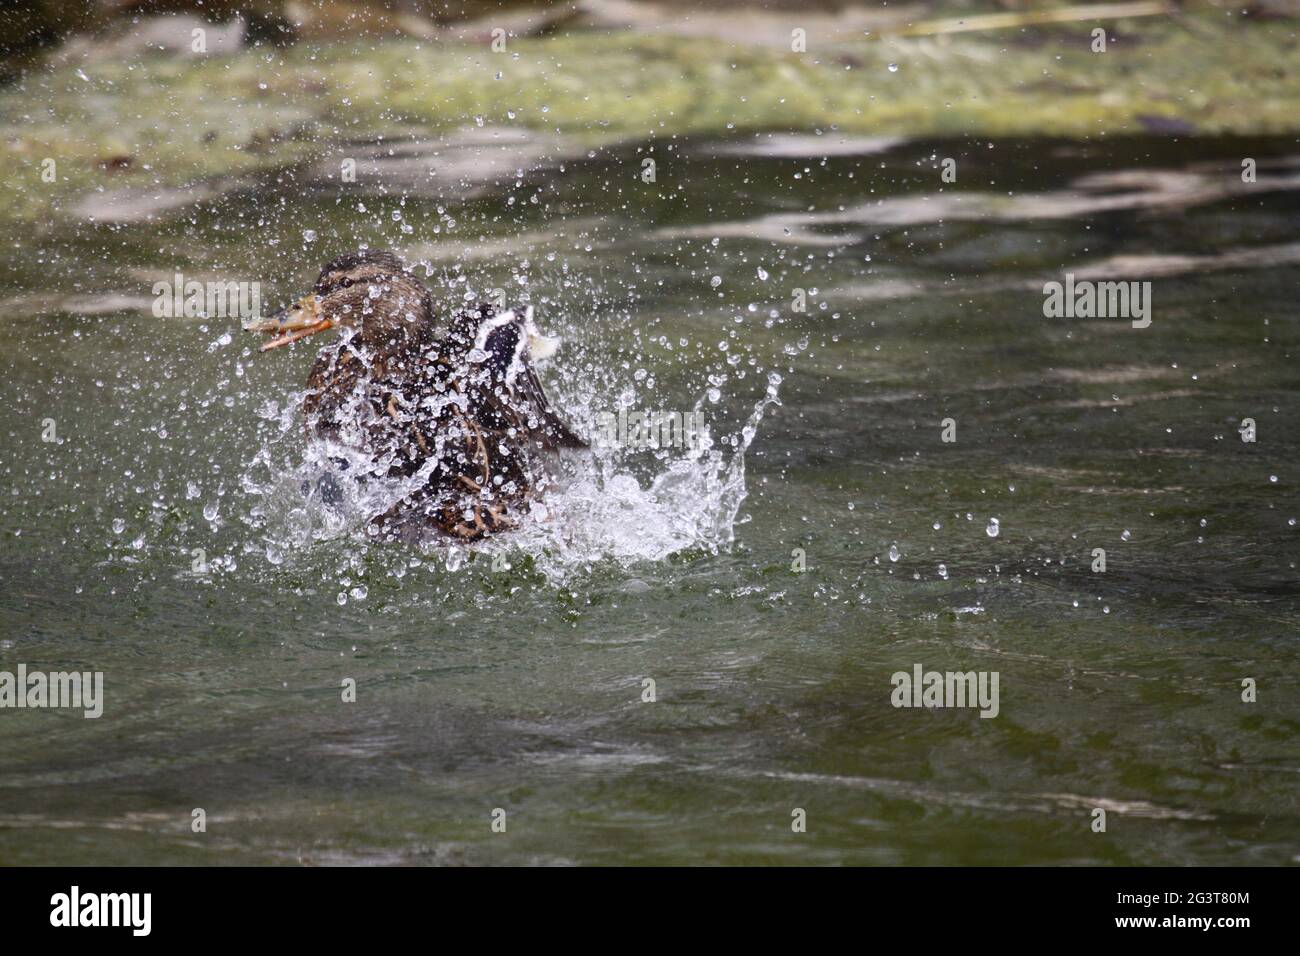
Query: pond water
[(162, 537)]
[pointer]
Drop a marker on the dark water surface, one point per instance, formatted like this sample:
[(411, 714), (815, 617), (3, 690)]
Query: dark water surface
[(522, 689)]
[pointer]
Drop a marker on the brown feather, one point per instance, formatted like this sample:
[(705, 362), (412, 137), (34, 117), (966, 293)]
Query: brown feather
[(402, 396)]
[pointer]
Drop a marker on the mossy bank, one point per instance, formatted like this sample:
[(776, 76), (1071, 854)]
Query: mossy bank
[(175, 121)]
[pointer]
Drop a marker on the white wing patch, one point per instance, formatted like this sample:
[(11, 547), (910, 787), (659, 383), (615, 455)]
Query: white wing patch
[(539, 347)]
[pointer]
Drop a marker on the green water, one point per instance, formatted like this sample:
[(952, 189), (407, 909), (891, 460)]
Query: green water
[(522, 689)]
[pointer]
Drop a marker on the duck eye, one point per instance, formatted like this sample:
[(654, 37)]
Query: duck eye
[(346, 283)]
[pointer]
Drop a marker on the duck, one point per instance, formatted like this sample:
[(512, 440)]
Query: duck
[(455, 411)]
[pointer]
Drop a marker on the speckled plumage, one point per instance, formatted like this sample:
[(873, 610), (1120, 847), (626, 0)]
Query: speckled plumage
[(464, 410)]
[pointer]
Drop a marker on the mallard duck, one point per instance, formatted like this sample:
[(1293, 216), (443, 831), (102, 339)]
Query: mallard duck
[(463, 414)]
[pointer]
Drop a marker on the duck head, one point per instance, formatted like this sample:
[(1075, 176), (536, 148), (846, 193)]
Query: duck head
[(369, 292)]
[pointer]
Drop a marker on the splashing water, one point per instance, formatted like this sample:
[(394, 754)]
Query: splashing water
[(604, 512), (609, 504)]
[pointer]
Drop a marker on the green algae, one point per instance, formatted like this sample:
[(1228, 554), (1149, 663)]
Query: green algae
[(174, 121)]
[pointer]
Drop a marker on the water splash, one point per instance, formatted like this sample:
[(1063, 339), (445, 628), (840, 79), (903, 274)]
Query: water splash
[(610, 504), (603, 512)]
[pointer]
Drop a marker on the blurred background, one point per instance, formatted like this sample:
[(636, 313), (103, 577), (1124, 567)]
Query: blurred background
[(314, 74)]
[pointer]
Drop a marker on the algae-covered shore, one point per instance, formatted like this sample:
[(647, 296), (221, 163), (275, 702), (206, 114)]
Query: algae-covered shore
[(120, 123)]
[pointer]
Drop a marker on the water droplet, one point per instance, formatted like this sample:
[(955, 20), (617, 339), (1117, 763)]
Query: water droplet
[(1126, 535), (309, 235), (715, 281), (943, 571), (894, 554), (118, 526), (994, 528), (893, 68), (210, 511)]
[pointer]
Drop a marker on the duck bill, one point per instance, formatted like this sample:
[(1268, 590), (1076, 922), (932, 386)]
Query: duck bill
[(298, 321)]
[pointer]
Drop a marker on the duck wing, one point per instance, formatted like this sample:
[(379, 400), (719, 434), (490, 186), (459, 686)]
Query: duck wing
[(554, 433), (510, 389)]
